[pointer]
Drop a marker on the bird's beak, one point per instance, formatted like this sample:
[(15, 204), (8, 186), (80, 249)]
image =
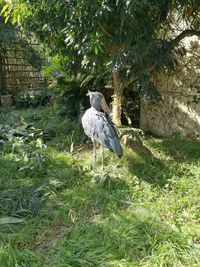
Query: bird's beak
[(88, 93), (104, 106)]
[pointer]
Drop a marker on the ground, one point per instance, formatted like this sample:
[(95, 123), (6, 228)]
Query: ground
[(141, 211)]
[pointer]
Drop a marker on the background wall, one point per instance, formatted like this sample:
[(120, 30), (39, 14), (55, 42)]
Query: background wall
[(179, 109)]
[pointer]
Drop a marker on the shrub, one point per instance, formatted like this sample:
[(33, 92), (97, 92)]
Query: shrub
[(32, 100), (25, 145)]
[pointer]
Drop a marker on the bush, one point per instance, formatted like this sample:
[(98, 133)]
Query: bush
[(32, 100), (25, 145)]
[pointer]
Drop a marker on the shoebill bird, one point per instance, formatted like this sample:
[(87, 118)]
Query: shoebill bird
[(99, 126)]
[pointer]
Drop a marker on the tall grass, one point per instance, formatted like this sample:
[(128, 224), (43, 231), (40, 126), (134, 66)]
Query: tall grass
[(139, 212)]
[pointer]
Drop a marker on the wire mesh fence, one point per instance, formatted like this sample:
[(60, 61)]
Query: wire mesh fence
[(19, 73)]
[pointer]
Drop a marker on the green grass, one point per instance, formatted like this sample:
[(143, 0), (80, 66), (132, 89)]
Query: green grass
[(139, 212)]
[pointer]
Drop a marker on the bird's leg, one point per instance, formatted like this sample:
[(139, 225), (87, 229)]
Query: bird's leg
[(102, 158), (94, 156)]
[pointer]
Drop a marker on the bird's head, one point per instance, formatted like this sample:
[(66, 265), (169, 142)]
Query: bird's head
[(98, 101)]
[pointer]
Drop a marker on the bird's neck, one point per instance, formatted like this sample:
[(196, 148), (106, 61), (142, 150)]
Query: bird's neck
[(96, 107)]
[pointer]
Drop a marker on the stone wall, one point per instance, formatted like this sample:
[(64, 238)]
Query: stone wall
[(179, 109)]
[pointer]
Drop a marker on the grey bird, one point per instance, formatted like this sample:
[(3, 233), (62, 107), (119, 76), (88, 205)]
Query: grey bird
[(99, 126)]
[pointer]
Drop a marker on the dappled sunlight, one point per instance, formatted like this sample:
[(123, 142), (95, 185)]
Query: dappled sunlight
[(177, 148), (170, 153), (128, 237), (153, 171), (133, 212), (139, 207), (191, 117)]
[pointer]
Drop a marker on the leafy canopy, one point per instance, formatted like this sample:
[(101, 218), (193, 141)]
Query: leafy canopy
[(136, 36)]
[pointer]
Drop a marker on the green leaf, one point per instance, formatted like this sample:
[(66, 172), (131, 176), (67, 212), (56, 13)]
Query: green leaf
[(7, 18), (96, 50), (5, 7), (133, 132), (10, 220), (18, 18)]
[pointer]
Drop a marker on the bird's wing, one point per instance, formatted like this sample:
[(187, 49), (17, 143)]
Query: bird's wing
[(100, 128)]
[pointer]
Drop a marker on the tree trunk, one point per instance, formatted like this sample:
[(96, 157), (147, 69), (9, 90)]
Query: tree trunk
[(117, 99)]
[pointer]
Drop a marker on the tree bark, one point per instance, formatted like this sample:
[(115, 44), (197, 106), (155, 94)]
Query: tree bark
[(183, 34), (117, 98)]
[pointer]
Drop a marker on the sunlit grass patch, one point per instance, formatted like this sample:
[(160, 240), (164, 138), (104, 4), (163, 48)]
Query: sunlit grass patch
[(139, 211)]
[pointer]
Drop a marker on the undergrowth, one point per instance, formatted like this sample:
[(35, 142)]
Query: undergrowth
[(140, 211)]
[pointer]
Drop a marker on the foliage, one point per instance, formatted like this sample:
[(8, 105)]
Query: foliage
[(94, 43), (113, 55), (69, 89), (7, 33), (44, 124), (134, 133), (25, 144), (32, 101), (65, 89)]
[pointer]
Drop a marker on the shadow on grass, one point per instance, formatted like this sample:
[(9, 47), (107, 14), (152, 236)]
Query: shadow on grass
[(101, 232), (159, 172), (135, 234), (179, 149), (154, 172), (122, 239)]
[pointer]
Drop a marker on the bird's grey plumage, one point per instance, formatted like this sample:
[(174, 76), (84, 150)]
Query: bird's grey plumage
[(99, 126)]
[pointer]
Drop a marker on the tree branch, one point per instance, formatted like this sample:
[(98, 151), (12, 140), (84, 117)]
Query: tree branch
[(174, 43), (135, 78), (129, 81), (104, 30), (122, 25), (184, 34)]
